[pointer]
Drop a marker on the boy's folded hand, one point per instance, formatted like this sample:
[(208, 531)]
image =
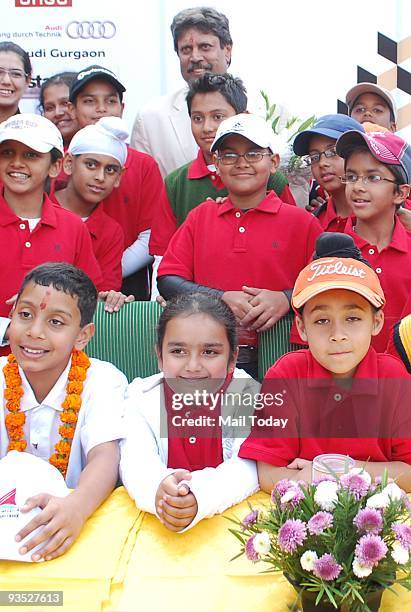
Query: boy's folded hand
[(303, 469), (175, 504), (267, 307), (114, 300), (62, 520), (238, 301)]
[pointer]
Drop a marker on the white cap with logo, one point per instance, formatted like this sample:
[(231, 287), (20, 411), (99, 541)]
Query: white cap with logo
[(34, 131), (252, 127)]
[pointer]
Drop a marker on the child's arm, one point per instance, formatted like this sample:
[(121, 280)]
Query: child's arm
[(64, 518), (269, 475), (397, 470)]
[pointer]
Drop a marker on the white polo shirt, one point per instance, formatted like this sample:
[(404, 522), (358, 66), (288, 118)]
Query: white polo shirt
[(100, 418)]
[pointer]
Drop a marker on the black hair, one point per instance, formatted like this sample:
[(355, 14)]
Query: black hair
[(187, 304), (231, 88), (336, 244), (11, 47), (61, 78), (205, 19), (397, 171), (69, 279)]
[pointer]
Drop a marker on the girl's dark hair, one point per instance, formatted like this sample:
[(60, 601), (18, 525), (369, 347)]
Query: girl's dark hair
[(336, 244), (231, 88), (61, 78), (188, 304), (69, 279), (11, 47)]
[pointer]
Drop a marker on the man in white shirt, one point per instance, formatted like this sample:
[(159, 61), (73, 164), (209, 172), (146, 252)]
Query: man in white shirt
[(162, 129)]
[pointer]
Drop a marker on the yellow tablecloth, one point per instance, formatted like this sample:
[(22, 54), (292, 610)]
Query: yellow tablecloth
[(126, 561)]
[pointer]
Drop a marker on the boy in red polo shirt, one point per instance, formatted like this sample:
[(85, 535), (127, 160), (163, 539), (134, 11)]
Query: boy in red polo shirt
[(94, 163), (249, 249), (317, 145), (97, 93), (378, 177), (34, 230), (340, 395), (210, 99)]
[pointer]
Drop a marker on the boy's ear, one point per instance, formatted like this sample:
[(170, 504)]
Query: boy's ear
[(85, 335), (404, 192), (68, 164), (119, 177), (233, 361), (55, 168), (275, 162), (159, 357), (378, 322), (301, 328)]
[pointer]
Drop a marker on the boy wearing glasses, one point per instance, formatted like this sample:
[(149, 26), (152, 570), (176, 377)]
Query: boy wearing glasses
[(317, 145), (248, 249), (377, 178)]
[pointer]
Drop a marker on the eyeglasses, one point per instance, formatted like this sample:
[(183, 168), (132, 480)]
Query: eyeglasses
[(315, 157), (252, 157), (14, 73), (352, 178)]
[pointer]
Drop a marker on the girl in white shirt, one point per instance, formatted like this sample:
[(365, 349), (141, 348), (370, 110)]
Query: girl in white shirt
[(185, 425)]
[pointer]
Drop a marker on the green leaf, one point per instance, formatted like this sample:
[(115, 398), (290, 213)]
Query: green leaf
[(275, 123), (237, 556), (237, 535)]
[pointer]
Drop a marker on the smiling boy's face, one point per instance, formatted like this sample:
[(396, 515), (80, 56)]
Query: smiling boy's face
[(338, 326), (44, 329)]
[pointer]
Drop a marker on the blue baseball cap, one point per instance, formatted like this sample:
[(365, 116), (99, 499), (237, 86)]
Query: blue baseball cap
[(328, 125)]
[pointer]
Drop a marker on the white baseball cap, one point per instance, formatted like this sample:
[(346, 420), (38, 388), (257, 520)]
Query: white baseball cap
[(23, 475), (34, 131), (362, 88), (252, 127)]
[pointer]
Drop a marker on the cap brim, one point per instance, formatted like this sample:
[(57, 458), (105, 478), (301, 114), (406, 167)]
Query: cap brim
[(103, 76), (309, 292), (346, 140), (302, 141), (219, 140), (28, 138)]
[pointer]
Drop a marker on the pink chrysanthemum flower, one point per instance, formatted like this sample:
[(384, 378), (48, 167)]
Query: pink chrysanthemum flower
[(283, 486), (326, 567), (403, 534), (370, 550), (292, 534), (357, 484), (320, 521), (369, 520), (250, 519), (250, 551)]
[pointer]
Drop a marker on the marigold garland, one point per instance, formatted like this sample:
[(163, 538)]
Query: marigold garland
[(15, 420)]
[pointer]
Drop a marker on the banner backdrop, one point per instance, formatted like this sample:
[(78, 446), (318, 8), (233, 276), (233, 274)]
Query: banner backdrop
[(72, 34)]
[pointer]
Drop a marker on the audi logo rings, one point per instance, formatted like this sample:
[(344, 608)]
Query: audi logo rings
[(91, 29)]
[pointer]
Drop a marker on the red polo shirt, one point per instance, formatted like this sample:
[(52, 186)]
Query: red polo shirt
[(59, 236), (133, 202), (165, 222), (393, 266), (222, 247), (107, 239), (330, 221), (377, 397)]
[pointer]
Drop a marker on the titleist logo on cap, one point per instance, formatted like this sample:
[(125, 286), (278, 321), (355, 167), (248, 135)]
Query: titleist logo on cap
[(330, 267)]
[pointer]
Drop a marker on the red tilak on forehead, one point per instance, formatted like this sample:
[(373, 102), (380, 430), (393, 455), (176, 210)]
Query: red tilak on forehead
[(43, 302)]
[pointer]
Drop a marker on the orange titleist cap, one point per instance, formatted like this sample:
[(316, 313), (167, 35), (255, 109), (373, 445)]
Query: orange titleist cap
[(337, 273)]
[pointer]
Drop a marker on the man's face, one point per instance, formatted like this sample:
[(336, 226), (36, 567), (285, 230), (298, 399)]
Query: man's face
[(200, 53)]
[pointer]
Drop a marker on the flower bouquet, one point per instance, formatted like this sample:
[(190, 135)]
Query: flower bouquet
[(339, 542)]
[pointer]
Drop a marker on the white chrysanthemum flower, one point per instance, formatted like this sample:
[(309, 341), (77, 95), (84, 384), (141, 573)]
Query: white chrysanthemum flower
[(392, 491), (307, 560), (288, 496), (361, 472), (361, 571), (379, 500), (326, 494), (262, 543), (399, 553)]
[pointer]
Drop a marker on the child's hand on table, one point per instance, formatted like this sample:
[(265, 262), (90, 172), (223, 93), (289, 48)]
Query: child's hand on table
[(302, 469), (62, 519), (175, 503)]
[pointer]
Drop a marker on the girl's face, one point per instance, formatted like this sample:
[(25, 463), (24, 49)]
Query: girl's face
[(195, 348), (56, 109), (13, 80)]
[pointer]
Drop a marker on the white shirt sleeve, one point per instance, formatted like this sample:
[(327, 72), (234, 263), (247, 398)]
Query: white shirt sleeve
[(4, 325), (216, 489), (154, 291), (136, 256)]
